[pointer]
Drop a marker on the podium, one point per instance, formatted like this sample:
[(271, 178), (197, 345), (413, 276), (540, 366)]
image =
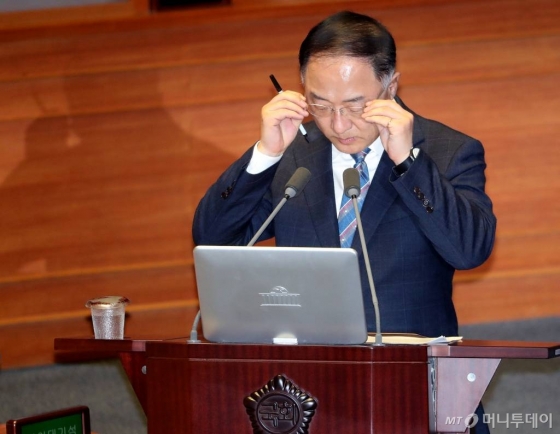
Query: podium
[(209, 388)]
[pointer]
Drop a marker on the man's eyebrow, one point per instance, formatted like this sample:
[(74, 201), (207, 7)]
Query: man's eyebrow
[(320, 98), (350, 100), (355, 99)]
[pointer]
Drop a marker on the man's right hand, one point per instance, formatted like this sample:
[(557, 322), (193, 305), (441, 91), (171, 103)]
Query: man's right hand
[(281, 118)]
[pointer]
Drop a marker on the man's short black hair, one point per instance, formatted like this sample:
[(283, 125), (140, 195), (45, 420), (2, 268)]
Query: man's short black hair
[(348, 33)]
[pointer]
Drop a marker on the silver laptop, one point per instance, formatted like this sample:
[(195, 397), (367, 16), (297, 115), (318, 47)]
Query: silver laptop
[(283, 295)]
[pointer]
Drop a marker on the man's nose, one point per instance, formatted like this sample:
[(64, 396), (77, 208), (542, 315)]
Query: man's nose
[(340, 123)]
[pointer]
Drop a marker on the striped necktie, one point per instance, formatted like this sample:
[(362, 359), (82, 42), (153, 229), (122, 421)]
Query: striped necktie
[(347, 215)]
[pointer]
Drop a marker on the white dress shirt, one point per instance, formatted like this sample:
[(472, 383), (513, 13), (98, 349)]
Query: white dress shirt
[(340, 162)]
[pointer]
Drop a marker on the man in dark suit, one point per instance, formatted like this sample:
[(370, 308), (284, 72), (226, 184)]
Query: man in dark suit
[(425, 211)]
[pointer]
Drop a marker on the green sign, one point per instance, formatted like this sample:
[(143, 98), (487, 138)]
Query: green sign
[(61, 425)]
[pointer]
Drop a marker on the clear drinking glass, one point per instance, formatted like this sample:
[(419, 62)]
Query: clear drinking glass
[(107, 314)]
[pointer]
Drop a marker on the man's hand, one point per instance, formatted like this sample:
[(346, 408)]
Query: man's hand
[(281, 118), (395, 127)]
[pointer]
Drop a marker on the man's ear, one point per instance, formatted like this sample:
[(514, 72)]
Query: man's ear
[(394, 84)]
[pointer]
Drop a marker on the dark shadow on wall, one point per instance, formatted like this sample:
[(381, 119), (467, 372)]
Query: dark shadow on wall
[(99, 190)]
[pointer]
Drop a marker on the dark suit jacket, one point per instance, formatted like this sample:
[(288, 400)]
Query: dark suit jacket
[(413, 252)]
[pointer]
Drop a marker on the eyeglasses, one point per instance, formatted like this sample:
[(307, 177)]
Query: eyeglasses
[(323, 111)]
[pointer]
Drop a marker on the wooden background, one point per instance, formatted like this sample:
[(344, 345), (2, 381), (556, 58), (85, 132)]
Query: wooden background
[(113, 123)]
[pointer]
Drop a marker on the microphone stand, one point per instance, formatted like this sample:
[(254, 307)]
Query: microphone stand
[(293, 187), (194, 330), (378, 338), (268, 220)]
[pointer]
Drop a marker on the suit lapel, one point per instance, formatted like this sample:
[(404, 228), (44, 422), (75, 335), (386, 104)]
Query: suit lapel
[(317, 157), (381, 193), (380, 196)]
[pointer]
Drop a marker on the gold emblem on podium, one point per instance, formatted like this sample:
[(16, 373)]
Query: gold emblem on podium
[(280, 407)]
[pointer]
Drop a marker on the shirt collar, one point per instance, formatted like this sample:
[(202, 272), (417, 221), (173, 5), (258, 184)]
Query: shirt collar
[(376, 150)]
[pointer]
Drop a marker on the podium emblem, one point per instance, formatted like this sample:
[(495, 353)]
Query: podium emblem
[(280, 407)]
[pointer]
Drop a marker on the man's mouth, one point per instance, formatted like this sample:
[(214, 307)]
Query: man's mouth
[(346, 141)]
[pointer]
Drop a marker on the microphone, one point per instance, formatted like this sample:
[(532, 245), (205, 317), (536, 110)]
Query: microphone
[(293, 187), (297, 182), (351, 179)]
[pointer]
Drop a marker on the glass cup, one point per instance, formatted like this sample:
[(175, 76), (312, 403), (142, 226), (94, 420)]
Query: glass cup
[(107, 314)]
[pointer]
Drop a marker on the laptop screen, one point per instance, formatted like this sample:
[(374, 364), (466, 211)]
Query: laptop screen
[(280, 295)]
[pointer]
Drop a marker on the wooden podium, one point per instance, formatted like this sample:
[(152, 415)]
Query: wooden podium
[(208, 388)]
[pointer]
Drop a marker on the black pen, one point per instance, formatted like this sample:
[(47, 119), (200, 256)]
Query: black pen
[(279, 90)]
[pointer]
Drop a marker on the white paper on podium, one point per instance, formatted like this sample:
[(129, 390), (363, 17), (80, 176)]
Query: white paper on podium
[(396, 339)]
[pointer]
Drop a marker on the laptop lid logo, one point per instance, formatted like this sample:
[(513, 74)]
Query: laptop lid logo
[(280, 296)]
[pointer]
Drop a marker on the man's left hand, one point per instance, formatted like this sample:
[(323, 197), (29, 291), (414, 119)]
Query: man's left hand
[(395, 127)]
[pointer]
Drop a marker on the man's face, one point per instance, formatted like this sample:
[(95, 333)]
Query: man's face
[(344, 82)]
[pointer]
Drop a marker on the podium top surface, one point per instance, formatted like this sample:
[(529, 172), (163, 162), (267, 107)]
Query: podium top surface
[(178, 347), (497, 349)]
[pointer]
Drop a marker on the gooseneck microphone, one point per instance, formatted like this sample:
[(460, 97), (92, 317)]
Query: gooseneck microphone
[(293, 187), (351, 179)]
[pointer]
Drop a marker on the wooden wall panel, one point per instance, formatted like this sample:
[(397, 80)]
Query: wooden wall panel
[(65, 295), (135, 16), (196, 44), (66, 15), (110, 133), (224, 80), (514, 296)]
